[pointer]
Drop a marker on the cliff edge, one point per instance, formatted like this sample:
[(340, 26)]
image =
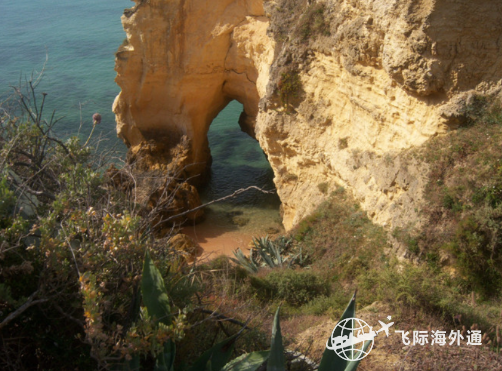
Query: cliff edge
[(334, 91)]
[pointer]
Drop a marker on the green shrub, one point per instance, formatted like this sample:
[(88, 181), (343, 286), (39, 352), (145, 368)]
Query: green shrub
[(343, 143), (290, 177), (323, 187), (338, 231), (463, 195), (313, 23), (476, 259), (332, 304), (7, 200), (289, 86), (296, 287), (75, 249), (405, 237), (262, 289), (450, 202)]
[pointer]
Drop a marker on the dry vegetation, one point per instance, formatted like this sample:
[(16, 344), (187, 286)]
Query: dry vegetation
[(451, 283), (72, 246)]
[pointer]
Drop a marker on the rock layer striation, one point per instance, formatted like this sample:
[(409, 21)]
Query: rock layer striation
[(182, 62), (372, 78)]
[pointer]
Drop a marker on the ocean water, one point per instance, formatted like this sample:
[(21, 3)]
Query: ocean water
[(74, 42), (238, 162), (79, 39)]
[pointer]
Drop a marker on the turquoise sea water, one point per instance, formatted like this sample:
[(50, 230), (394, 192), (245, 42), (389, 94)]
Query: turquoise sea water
[(79, 38), (239, 162)]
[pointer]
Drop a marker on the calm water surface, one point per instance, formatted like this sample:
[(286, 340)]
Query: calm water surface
[(79, 39)]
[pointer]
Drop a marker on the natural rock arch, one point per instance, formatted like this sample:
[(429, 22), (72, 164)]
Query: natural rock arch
[(175, 80)]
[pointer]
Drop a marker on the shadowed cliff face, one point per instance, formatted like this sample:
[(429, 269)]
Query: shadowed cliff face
[(334, 93), (183, 61)]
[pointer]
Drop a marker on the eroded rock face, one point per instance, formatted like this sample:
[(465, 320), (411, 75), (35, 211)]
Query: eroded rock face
[(163, 195), (187, 247), (183, 62), (384, 76), (390, 75)]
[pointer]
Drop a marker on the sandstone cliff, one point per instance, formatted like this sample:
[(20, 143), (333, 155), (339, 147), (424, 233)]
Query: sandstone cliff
[(335, 91), (183, 62)]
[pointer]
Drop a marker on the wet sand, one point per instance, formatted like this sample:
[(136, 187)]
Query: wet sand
[(217, 235), (216, 241)]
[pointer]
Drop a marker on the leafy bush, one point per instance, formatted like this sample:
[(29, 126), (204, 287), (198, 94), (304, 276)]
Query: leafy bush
[(405, 237), (464, 198), (312, 23), (71, 250), (475, 257), (340, 236), (289, 85), (290, 177), (296, 287), (323, 187), (343, 143)]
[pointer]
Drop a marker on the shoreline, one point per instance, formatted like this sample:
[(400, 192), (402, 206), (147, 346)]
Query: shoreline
[(218, 235), (216, 241)]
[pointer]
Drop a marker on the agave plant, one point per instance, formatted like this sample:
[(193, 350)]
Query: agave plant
[(276, 361), (217, 358), (248, 263), (271, 254)]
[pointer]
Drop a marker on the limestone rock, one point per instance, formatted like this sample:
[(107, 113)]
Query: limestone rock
[(155, 179), (172, 199), (184, 244), (386, 76), (183, 62)]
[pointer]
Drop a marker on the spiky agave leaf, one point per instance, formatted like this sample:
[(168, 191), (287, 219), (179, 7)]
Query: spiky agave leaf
[(330, 360), (154, 292), (165, 360), (156, 301), (276, 360), (247, 362), (245, 262), (267, 259), (352, 365), (216, 357)]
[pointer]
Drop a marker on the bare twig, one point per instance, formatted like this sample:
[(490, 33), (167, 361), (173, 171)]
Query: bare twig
[(222, 317), (69, 246), (30, 302), (66, 315), (32, 191), (236, 193)]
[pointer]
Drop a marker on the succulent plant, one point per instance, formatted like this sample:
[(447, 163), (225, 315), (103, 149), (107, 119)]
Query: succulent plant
[(270, 253), (217, 358)]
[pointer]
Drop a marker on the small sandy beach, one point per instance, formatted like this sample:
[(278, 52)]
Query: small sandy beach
[(217, 235), (217, 241)]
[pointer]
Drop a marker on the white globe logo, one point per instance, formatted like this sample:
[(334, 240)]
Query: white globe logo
[(350, 339)]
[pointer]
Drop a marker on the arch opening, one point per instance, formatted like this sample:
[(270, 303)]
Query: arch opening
[(237, 162)]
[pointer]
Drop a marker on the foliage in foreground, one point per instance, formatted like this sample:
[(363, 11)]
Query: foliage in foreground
[(217, 358), (76, 290), (71, 251)]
